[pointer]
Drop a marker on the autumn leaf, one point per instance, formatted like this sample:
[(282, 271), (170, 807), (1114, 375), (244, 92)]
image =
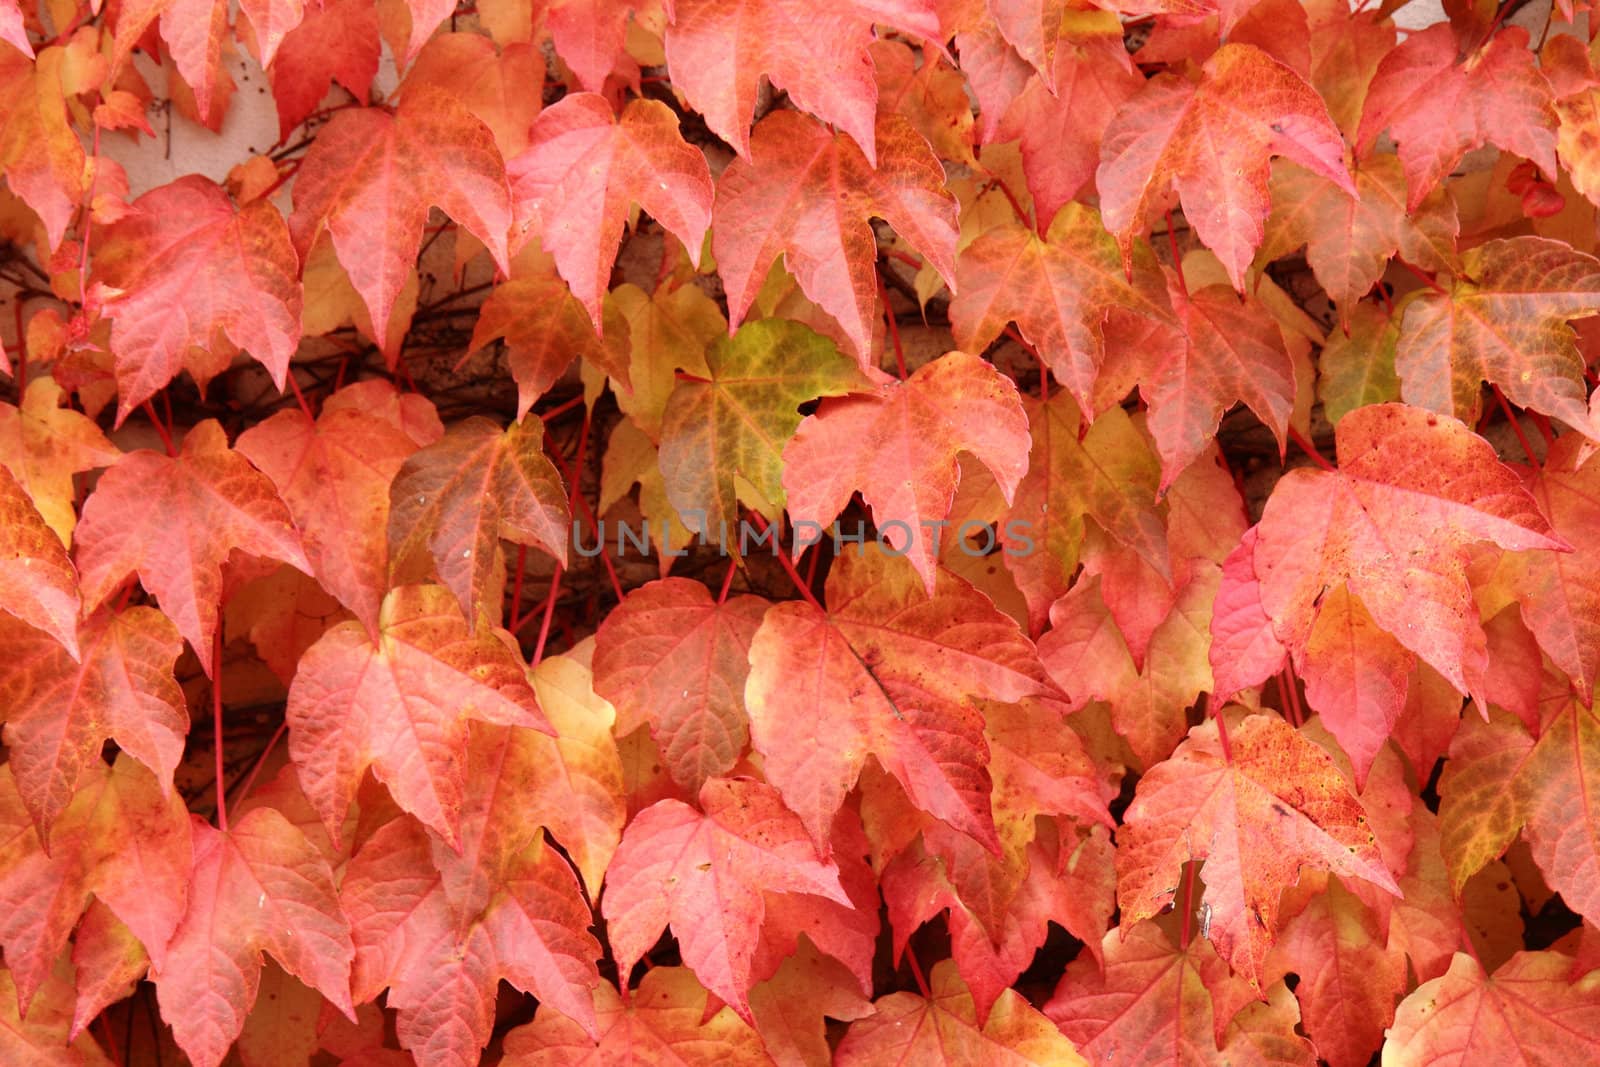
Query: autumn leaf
[(336, 41), (1160, 1003), (808, 194), (817, 54), (453, 501), (44, 1038), (442, 940), (1439, 105), (37, 582), (890, 672), (671, 657), (664, 1020), (491, 82), (1058, 290), (583, 169), (257, 887), (1393, 523), (39, 150), (44, 444), (333, 474), (60, 712), (1503, 320), (1211, 144), (898, 448), (731, 430), (1061, 116), (143, 877), (942, 1028), (370, 178), (400, 703), (544, 328), (173, 520), (1530, 1007), (1261, 810), (1350, 239), (705, 873)]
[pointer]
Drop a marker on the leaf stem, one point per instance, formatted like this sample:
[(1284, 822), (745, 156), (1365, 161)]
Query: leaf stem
[(1516, 426), (999, 183), (1177, 259), (1186, 903), (161, 430), (1423, 276), (300, 397), (894, 327), (548, 613), (261, 761), (1291, 697), (727, 582), (1222, 729), (916, 972), (216, 725), (516, 588), (788, 565), (1310, 449)]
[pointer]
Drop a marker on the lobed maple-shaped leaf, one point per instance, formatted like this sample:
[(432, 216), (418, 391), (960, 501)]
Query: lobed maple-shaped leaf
[(1349, 978), (1394, 523), (1244, 649), (891, 672), (490, 81), (60, 711), (399, 703), (1211, 143), (44, 444), (181, 270), (583, 169), (1159, 1003), (257, 887), (1059, 290), (1060, 117), (942, 1028), (792, 1008), (1503, 320), (670, 656), (1229, 349), (122, 838), (46, 1037), (1559, 593), (705, 873), (453, 501), (334, 473), (732, 429), (1356, 368), (336, 41), (370, 178), (808, 193), (173, 520), (544, 328), (43, 159), (1269, 806), (668, 331), (37, 582), (1439, 104), (898, 448), (666, 1021), (1105, 473), (1350, 239), (1531, 1008), (1088, 656), (817, 53), (442, 953), (1553, 791)]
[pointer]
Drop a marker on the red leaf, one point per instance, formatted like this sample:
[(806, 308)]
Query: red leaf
[(899, 448), (815, 52), (1439, 105), (336, 41), (62, 712), (174, 520), (671, 657), (454, 500), (583, 169), (259, 887), (888, 672), (706, 874), (1211, 143), (1259, 813), (370, 178), (400, 704), (808, 194)]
